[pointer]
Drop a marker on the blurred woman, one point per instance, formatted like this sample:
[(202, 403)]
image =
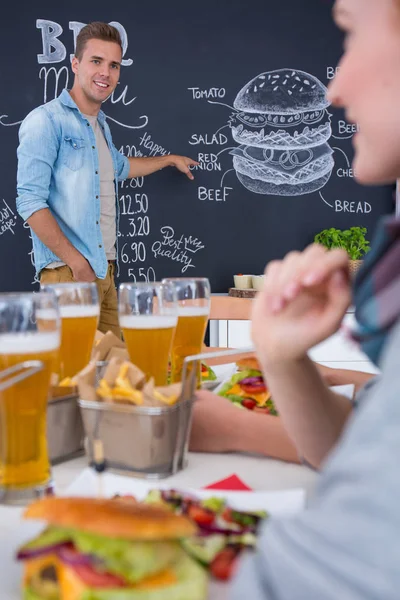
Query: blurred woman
[(346, 544)]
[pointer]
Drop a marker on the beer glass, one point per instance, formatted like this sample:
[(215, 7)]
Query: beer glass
[(29, 343), (193, 310), (148, 317), (79, 310)]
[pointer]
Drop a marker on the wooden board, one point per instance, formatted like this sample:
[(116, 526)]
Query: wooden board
[(248, 293)]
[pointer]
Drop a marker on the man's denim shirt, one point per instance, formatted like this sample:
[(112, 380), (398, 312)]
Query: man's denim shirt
[(58, 168)]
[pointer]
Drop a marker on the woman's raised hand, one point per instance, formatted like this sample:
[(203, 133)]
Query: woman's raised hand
[(303, 301)]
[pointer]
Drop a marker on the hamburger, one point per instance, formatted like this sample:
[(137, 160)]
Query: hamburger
[(282, 127), (109, 549), (248, 389), (249, 363)]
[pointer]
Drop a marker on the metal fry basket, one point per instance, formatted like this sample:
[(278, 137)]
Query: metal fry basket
[(145, 441), (65, 434)]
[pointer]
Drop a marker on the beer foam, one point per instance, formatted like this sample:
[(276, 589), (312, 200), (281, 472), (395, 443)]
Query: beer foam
[(28, 342), (46, 314), (148, 321), (76, 311), (193, 311)]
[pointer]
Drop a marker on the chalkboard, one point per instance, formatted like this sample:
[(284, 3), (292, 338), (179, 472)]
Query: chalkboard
[(238, 86)]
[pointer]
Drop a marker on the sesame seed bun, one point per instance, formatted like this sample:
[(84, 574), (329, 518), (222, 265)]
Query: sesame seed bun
[(117, 518), (248, 363), (285, 91)]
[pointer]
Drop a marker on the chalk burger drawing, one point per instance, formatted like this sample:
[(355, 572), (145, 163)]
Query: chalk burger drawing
[(282, 125)]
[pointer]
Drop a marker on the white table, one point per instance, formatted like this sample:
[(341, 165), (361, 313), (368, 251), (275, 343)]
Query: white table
[(258, 472)]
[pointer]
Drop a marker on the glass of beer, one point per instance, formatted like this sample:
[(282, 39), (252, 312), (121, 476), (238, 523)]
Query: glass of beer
[(79, 310), (29, 343), (193, 309), (148, 317)]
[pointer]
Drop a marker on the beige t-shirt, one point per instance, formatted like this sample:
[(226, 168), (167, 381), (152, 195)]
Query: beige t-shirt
[(108, 223)]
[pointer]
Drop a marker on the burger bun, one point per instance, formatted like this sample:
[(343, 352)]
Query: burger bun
[(118, 518)]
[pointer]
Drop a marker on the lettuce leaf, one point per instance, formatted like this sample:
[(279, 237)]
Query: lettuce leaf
[(49, 537), (29, 594), (272, 410), (235, 399), (192, 585), (155, 497), (133, 560), (215, 503), (210, 376), (204, 549)]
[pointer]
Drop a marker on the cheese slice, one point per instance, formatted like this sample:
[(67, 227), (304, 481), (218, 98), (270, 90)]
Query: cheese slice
[(162, 579), (261, 398), (71, 586)]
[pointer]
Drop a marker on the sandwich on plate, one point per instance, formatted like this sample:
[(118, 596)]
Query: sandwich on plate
[(248, 389), (109, 549)]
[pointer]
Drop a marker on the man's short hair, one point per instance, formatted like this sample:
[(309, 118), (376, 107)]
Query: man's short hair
[(96, 31)]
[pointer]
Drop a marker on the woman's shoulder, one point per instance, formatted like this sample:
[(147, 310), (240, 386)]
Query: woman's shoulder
[(390, 355)]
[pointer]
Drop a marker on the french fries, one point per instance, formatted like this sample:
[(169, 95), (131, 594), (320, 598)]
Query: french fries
[(123, 382), (67, 382)]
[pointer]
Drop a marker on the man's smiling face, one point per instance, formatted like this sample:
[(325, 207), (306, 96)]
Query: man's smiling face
[(97, 72)]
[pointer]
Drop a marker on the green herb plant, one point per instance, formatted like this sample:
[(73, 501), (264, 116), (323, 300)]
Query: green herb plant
[(352, 240)]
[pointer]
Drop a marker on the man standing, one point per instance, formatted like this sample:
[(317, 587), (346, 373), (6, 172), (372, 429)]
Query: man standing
[(68, 169)]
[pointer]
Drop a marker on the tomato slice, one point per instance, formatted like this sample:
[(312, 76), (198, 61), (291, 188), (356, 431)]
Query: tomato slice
[(249, 403), (253, 388), (223, 565), (200, 515), (95, 579), (227, 515)]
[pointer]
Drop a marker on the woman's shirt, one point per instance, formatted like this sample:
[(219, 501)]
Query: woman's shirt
[(346, 545)]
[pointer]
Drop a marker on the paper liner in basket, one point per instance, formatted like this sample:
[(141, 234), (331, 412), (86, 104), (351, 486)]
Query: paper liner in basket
[(105, 347), (108, 345)]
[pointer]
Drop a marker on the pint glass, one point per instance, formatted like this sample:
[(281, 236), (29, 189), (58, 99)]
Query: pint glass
[(193, 310), (29, 331), (148, 317), (79, 310)]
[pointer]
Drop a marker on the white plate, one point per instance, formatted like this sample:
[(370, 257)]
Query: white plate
[(223, 373), (14, 531)]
